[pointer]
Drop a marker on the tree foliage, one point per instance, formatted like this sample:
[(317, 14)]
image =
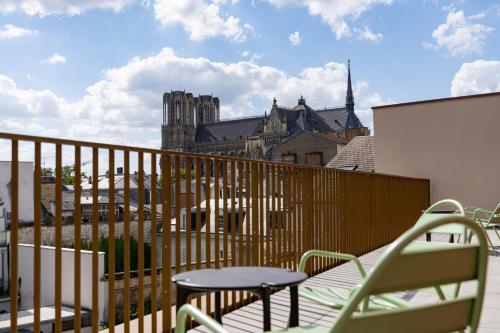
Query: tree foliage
[(68, 174)]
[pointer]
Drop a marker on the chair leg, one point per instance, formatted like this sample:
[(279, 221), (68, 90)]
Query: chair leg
[(491, 243)]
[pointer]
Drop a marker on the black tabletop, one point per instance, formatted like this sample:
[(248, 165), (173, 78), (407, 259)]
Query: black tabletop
[(239, 278)]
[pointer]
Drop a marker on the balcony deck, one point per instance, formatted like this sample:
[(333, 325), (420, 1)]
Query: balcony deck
[(248, 319)]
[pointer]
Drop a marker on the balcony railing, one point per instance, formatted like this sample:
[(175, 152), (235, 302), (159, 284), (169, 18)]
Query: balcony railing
[(237, 212)]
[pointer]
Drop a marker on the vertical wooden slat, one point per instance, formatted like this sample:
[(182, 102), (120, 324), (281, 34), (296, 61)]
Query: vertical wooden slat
[(294, 220), (95, 239), (58, 241), (240, 215), (289, 220), (279, 217), (177, 200), (154, 246), (37, 268), (198, 221), (216, 213), (248, 210), (274, 250), (225, 227), (140, 241), (267, 218), (78, 237), (189, 257), (14, 225), (255, 216), (261, 215), (290, 192), (126, 240), (166, 200), (233, 222), (208, 236), (111, 241)]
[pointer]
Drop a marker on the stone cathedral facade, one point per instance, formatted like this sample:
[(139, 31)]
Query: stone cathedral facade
[(297, 134)]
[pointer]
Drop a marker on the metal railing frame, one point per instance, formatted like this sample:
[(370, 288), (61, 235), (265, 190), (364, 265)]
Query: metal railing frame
[(290, 209)]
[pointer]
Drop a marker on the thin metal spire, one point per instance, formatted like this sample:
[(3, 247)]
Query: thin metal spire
[(352, 119)]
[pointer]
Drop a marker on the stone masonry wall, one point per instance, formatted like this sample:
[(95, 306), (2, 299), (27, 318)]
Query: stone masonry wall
[(27, 234)]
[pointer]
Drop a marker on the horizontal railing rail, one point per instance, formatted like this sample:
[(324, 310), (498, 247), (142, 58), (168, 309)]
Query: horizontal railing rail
[(178, 210)]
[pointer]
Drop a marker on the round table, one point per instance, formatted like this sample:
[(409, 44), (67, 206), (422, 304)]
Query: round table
[(254, 279)]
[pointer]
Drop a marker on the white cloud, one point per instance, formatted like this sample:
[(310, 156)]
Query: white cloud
[(56, 58), (336, 13), (201, 19), (127, 100), (366, 34), (459, 36), (28, 103), (295, 38), (480, 76), (10, 31), (60, 7), (251, 56)]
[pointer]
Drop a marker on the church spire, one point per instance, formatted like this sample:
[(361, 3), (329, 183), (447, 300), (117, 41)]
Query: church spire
[(352, 119), (349, 100)]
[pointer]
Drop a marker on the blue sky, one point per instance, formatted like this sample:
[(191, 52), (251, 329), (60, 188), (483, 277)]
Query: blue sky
[(96, 70)]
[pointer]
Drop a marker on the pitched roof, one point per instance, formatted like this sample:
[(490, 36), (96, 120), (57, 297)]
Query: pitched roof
[(230, 129), (323, 120), (335, 118), (358, 152)]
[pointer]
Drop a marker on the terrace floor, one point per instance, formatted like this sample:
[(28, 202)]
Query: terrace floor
[(248, 319)]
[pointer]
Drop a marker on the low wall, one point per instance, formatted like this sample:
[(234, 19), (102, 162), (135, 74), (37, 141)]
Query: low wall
[(27, 234), (47, 278)]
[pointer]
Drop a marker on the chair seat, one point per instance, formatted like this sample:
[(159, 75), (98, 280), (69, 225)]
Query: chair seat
[(338, 297)]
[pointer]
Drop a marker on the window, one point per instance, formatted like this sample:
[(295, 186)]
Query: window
[(183, 225), (289, 158), (221, 223), (315, 159)]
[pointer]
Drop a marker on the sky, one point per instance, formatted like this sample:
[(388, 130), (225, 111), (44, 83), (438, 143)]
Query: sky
[(96, 69)]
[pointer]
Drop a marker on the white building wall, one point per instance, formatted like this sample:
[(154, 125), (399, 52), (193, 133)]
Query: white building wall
[(47, 283), (25, 189)]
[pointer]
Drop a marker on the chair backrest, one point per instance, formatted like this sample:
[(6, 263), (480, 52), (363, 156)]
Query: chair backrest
[(495, 217), (409, 265), (446, 207)]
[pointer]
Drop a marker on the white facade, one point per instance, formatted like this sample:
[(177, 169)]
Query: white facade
[(47, 281), (25, 189)]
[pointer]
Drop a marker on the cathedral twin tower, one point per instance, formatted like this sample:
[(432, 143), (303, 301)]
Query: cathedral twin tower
[(182, 113)]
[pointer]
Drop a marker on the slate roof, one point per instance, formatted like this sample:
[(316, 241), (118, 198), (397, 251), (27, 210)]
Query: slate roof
[(321, 120), (230, 129), (358, 152), (324, 120)]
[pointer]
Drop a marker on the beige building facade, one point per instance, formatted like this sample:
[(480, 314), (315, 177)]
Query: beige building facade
[(454, 142)]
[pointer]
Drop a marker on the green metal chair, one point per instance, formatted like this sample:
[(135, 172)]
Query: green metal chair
[(488, 219), (441, 208), (407, 264), (337, 297)]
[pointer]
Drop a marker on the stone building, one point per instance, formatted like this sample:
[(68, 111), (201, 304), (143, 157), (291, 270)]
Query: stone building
[(297, 134)]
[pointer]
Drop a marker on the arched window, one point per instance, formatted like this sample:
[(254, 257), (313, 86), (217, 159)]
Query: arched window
[(178, 111)]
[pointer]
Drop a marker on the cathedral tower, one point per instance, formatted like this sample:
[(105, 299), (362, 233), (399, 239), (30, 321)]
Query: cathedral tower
[(206, 109), (178, 127)]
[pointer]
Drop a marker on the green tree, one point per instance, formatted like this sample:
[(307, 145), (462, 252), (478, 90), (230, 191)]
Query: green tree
[(68, 174)]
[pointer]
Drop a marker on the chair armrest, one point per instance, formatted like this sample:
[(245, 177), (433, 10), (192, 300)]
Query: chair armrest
[(480, 211), (189, 310), (331, 255)]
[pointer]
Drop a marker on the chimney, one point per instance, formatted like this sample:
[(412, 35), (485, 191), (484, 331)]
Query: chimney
[(119, 171)]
